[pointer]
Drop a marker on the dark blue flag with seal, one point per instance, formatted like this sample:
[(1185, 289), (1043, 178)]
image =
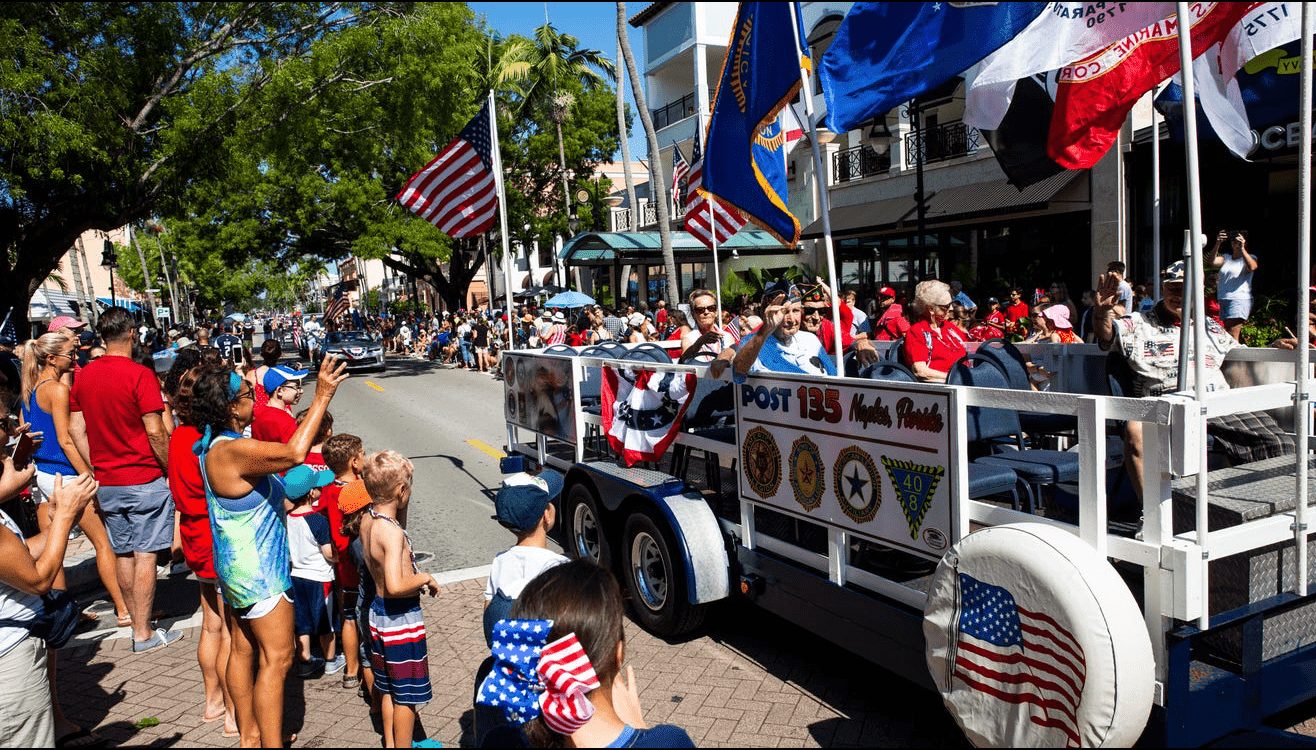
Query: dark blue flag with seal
[(888, 53), (744, 153)]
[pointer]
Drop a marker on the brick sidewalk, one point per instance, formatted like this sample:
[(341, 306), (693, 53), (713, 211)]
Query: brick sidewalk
[(750, 680)]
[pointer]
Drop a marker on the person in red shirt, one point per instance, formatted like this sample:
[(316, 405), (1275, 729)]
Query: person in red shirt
[(934, 343), (274, 422), (345, 454), (891, 324), (1016, 311), (116, 404), (315, 459)]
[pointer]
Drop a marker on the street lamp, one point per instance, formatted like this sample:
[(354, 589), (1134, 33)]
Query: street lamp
[(109, 261)]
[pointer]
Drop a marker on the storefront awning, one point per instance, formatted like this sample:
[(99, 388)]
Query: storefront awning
[(606, 248), (47, 304), (128, 305), (958, 204)]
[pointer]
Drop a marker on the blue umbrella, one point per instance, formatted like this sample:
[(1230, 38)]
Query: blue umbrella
[(570, 299), (239, 317)]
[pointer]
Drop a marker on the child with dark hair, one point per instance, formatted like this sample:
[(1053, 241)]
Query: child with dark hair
[(344, 455), (315, 459), (574, 694)]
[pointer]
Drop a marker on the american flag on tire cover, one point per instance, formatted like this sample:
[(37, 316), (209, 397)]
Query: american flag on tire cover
[(1019, 657), (725, 221), (642, 410), (455, 191)]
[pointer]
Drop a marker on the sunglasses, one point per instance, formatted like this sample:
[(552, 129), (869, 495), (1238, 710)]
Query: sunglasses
[(246, 393), (705, 309), (825, 312)]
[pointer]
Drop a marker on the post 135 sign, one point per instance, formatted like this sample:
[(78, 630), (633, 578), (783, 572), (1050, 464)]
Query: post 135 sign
[(868, 459)]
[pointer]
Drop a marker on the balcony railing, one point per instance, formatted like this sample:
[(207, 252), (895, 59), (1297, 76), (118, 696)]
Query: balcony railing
[(619, 219), (674, 112), (940, 143), (862, 161)]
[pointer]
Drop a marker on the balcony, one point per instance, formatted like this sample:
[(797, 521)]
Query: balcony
[(619, 219), (940, 143), (674, 112), (855, 163)]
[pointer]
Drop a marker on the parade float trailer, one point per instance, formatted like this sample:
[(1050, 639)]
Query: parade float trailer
[(1044, 611)]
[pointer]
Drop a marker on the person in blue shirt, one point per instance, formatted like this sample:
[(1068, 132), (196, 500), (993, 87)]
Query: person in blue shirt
[(957, 292), (582, 599)]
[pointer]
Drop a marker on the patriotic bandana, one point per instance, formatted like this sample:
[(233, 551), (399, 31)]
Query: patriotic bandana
[(532, 677)]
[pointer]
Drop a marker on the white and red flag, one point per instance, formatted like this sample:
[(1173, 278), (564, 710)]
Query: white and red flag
[(642, 410), (1094, 95), (719, 225), (456, 191)]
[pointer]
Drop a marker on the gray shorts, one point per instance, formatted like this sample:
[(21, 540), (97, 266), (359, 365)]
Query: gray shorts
[(139, 518)]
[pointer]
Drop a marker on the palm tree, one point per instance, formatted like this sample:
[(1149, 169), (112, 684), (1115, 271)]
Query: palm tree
[(556, 58), (634, 224), (505, 64), (658, 194)]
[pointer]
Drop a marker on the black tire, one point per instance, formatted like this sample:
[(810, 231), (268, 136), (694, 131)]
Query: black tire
[(586, 537), (656, 579)]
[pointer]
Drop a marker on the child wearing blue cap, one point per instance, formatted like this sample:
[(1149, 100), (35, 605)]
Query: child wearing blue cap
[(524, 506), (311, 548)]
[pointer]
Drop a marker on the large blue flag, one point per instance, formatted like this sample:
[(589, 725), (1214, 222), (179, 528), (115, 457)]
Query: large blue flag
[(888, 53), (744, 156)]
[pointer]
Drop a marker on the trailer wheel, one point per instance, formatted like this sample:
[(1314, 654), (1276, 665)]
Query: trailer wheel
[(656, 579), (586, 537)]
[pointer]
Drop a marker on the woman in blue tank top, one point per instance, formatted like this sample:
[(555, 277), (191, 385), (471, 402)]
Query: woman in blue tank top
[(45, 400), (245, 500)]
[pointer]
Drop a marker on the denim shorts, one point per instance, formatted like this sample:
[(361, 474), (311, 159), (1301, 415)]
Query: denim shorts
[(138, 518), (1235, 309)]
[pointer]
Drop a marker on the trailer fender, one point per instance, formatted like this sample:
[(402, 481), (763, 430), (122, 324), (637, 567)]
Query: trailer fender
[(699, 537)]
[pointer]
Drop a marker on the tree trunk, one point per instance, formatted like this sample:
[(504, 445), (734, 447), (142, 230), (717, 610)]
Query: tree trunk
[(659, 192), (93, 312), (625, 139), (146, 273), (85, 307)]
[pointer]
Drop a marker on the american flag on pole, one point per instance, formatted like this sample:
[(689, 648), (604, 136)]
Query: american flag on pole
[(456, 192), (1019, 657), (725, 220), (680, 170), (336, 307)]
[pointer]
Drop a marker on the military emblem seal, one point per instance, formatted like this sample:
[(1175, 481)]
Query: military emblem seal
[(857, 484), (762, 461), (915, 485), (807, 473)]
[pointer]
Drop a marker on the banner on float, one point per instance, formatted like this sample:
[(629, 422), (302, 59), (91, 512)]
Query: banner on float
[(872, 460), (539, 394)]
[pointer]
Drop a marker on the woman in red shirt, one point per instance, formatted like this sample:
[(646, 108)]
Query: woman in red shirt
[(184, 475), (933, 343)]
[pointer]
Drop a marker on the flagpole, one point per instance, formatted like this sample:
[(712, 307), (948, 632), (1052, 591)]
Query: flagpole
[(824, 206), (717, 272), (1156, 201), (502, 217), (1195, 266), (1301, 415)]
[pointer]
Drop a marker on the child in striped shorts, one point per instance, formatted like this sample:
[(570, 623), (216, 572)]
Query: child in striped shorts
[(398, 653)]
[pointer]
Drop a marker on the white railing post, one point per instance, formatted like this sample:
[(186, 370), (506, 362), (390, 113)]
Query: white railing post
[(1157, 528), (1092, 473), (1303, 368)]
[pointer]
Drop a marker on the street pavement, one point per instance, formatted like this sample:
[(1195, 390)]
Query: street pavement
[(746, 679)]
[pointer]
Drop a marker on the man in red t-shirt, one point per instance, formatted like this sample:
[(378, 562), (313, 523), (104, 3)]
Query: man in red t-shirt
[(1016, 311), (891, 324), (274, 422), (117, 408)]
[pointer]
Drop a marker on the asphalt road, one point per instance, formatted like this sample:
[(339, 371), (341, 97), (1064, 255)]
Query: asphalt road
[(450, 424)]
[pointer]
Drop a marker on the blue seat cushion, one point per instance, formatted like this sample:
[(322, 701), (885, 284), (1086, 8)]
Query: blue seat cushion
[(1038, 466), (990, 479)]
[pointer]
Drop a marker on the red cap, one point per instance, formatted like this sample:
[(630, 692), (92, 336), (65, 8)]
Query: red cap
[(886, 291)]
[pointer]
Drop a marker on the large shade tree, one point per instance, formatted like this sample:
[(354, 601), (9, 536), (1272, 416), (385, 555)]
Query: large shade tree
[(112, 110)]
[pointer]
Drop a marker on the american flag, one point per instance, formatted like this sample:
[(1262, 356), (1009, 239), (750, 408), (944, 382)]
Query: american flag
[(1019, 657), (680, 170), (726, 221), (336, 307), (455, 192)]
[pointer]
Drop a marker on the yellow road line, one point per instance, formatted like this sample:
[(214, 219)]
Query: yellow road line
[(485, 448), (376, 386)]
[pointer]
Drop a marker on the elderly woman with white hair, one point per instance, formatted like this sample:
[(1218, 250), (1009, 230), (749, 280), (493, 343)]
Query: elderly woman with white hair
[(933, 343)]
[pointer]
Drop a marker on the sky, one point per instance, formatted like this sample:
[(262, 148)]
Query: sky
[(595, 24)]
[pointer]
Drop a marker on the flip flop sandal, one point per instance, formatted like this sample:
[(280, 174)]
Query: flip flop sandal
[(351, 681)]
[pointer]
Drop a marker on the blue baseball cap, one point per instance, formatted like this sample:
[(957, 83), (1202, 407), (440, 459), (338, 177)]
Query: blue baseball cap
[(301, 479), (523, 498), (277, 376)]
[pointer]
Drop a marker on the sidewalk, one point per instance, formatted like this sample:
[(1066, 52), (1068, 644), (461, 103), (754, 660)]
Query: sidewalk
[(752, 680)]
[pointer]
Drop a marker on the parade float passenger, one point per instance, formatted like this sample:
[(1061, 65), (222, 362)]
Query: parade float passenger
[(1149, 344), (891, 324), (707, 338), (781, 344), (933, 343)]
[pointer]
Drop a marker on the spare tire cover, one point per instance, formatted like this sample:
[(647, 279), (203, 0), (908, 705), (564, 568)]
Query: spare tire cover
[(1035, 641)]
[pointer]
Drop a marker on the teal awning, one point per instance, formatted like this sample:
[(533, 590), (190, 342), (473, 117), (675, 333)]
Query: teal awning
[(606, 248)]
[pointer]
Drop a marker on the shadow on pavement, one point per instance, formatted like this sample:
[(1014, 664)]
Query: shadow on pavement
[(459, 465)]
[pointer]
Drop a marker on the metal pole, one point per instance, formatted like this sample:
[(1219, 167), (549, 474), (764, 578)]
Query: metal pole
[(1156, 203), (1300, 413), (920, 198), (502, 218), (1199, 303), (824, 204)]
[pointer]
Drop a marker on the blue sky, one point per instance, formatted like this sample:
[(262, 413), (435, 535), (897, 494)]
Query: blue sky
[(595, 24)]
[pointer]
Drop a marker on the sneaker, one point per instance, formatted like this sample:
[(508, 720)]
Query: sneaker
[(310, 669), (179, 569), (335, 666), (159, 639)]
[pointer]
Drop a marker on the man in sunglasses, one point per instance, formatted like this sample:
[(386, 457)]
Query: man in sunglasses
[(817, 312), (274, 422)]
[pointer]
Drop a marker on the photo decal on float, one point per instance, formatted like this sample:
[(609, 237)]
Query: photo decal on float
[(538, 394), (870, 459)]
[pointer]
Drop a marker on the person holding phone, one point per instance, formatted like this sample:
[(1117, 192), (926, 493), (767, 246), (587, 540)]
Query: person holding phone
[(1234, 285)]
